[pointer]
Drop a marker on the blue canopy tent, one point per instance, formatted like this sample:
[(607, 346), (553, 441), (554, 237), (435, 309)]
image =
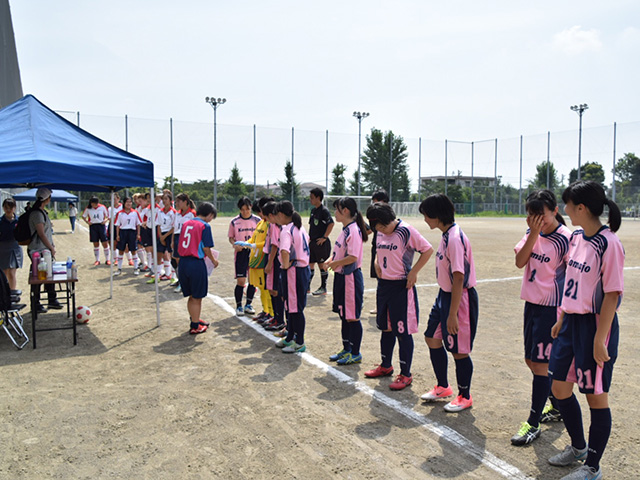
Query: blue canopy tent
[(40, 148), (56, 196)]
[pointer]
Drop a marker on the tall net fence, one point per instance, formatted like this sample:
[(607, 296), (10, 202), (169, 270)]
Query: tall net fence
[(492, 174)]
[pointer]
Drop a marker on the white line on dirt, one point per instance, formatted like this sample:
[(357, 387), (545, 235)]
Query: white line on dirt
[(442, 431)]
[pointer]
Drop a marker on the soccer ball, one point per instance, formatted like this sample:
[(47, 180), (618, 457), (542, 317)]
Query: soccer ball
[(83, 314)]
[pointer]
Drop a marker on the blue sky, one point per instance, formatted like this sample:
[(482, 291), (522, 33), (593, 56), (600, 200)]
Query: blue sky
[(463, 70)]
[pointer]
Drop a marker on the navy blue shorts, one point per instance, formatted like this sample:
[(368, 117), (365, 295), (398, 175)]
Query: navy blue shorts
[(572, 354), (273, 278), (160, 248), (128, 238), (397, 306), (145, 237), (295, 282), (462, 342), (242, 262), (193, 277), (176, 240), (348, 291), (538, 322), (97, 233)]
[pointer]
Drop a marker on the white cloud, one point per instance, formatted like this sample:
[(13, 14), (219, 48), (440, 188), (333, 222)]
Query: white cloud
[(576, 40), (629, 38)]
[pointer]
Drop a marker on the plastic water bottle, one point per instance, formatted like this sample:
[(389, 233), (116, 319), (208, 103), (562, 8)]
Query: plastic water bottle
[(49, 262), (69, 266), (35, 260)]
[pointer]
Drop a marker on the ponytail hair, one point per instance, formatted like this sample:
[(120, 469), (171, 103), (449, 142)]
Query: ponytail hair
[(184, 197), (348, 203), (592, 195), (285, 207), (537, 200)]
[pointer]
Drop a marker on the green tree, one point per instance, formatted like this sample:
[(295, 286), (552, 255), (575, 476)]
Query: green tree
[(177, 184), (234, 188), (353, 185), (628, 178), (540, 179), (588, 171), (338, 180), (289, 185), (382, 152)]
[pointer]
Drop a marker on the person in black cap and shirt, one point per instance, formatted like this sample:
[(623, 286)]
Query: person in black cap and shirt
[(42, 239), (320, 226)]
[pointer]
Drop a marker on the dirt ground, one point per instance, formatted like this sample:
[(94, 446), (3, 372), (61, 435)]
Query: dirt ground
[(133, 400)]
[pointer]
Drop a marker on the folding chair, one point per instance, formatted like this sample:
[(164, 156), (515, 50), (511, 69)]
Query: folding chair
[(10, 318)]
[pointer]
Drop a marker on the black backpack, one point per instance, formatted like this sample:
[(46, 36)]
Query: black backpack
[(22, 232)]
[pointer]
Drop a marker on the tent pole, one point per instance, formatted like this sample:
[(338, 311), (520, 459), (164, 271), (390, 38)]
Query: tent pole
[(155, 252), (111, 212)]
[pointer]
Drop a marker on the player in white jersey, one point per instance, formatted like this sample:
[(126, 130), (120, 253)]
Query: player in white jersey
[(138, 202), (396, 296), (164, 221), (127, 225), (348, 284), (586, 334), (185, 210), (543, 253), (453, 320), (97, 216)]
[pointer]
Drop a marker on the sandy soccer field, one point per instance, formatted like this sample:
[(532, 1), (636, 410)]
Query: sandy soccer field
[(133, 400)]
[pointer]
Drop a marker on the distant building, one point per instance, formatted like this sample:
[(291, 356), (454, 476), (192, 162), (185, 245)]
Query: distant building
[(460, 180), (275, 190)]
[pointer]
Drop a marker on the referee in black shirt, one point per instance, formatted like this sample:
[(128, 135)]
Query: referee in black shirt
[(320, 226)]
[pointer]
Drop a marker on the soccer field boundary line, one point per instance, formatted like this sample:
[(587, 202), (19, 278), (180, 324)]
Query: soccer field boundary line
[(441, 431), (432, 285)]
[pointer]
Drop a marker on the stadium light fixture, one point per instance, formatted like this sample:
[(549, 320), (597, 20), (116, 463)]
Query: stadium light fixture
[(215, 103), (579, 109), (359, 116)]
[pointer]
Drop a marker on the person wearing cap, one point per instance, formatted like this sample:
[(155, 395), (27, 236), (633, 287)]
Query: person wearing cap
[(42, 239)]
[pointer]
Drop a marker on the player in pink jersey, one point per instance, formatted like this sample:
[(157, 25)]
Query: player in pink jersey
[(348, 284), (97, 216), (185, 210), (454, 315), (294, 275), (127, 224), (241, 229), (396, 297), (543, 253), (164, 221), (194, 245), (586, 334), (272, 271)]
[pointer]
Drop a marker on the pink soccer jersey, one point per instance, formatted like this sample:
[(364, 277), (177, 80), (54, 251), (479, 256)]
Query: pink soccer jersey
[(241, 229), (273, 237), (349, 243), (165, 219), (454, 255), (128, 221), (95, 215), (595, 267), (195, 236), (395, 252), (295, 241), (181, 218), (543, 280)]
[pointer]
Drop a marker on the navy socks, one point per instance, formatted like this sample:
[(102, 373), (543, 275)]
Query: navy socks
[(539, 394), (599, 432), (387, 342), (355, 336), (464, 372), (572, 416), (440, 362)]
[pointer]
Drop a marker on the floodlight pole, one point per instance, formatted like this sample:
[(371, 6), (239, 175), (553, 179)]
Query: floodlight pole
[(215, 103), (579, 109), (359, 116)]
